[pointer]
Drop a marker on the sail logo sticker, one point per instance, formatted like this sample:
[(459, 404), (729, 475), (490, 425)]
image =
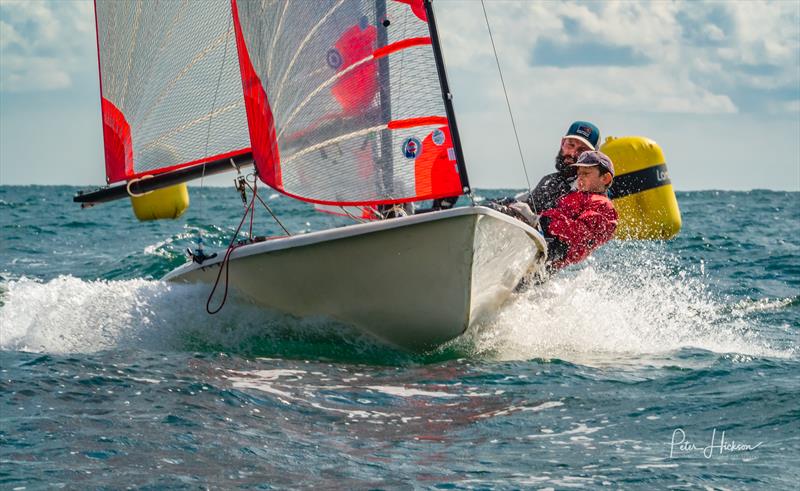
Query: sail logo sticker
[(334, 58), (412, 147), (438, 137)]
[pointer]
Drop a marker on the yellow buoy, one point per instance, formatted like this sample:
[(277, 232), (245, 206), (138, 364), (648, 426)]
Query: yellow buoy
[(168, 202), (642, 191)]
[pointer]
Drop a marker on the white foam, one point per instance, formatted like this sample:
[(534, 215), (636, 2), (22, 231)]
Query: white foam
[(161, 248), (67, 315), (579, 429), (638, 312), (640, 306), (410, 391)]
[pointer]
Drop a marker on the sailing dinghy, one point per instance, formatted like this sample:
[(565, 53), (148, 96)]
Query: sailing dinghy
[(340, 103)]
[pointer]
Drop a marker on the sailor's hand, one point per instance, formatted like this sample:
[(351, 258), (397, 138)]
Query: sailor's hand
[(524, 211)]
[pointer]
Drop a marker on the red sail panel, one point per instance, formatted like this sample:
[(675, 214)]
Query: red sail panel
[(259, 114), (358, 85), (344, 101), (417, 7), (436, 171), (170, 86), (118, 146), (354, 212)]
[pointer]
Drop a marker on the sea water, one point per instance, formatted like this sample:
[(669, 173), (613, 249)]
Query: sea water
[(652, 365)]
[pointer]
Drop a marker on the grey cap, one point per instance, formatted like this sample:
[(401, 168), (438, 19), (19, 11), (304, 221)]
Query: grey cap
[(595, 157)]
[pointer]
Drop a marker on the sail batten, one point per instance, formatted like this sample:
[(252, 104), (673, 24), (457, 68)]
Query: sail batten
[(327, 83), (344, 101), (379, 53), (302, 46), (276, 36), (399, 45), (333, 141)]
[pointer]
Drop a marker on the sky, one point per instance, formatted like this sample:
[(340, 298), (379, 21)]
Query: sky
[(715, 84)]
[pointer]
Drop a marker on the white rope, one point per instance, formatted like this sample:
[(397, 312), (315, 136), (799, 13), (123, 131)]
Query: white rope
[(134, 181), (208, 132)]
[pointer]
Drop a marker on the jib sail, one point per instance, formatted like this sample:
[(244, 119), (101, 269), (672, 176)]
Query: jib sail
[(344, 101), (170, 86)]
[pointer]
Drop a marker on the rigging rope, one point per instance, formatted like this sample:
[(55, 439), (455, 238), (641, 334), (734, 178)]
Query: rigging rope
[(250, 209), (505, 92), (208, 132), (267, 207), (225, 264)]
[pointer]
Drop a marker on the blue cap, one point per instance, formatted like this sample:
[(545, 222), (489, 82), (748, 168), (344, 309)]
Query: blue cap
[(585, 132), (593, 158)]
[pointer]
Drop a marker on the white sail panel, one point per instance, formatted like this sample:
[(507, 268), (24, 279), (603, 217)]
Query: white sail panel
[(344, 100), (170, 83)]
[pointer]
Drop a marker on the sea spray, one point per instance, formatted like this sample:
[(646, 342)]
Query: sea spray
[(634, 299), (67, 314), (70, 315)]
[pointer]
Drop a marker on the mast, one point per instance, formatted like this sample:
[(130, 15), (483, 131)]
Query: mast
[(385, 95), (447, 96)]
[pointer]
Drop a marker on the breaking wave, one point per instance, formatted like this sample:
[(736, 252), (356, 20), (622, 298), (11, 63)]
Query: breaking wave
[(601, 312), (70, 315), (641, 304)]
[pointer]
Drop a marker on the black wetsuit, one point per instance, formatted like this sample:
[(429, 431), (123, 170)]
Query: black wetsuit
[(549, 190)]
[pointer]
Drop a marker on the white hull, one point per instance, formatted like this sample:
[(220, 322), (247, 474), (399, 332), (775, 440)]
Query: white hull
[(415, 281)]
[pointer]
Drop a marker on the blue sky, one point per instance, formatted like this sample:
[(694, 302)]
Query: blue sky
[(716, 84)]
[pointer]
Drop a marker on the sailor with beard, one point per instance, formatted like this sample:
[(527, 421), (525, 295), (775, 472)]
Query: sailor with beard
[(581, 137)]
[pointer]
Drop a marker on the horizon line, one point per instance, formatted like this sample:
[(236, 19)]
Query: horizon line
[(95, 186)]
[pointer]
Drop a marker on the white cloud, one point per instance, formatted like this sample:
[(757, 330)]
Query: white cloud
[(21, 73), (8, 35), (649, 29), (43, 44), (766, 32), (685, 57), (784, 107), (714, 33), (692, 68)]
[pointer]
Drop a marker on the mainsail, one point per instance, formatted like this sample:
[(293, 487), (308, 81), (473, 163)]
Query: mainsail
[(170, 86), (344, 101)]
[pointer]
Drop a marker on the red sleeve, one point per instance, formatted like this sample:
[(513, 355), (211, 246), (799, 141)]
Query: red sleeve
[(583, 222)]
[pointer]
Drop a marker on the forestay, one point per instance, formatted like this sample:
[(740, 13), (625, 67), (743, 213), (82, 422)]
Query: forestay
[(344, 102), (170, 85)]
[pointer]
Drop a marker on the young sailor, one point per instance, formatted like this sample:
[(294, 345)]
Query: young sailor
[(580, 137), (581, 221)]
